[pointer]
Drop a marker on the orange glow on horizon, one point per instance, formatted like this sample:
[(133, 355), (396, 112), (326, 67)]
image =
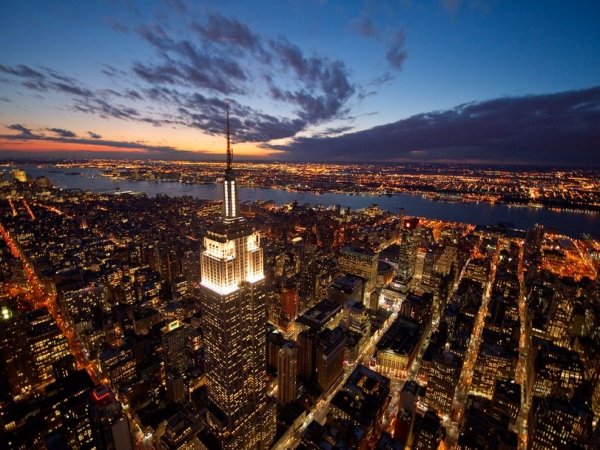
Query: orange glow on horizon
[(41, 146), (50, 146)]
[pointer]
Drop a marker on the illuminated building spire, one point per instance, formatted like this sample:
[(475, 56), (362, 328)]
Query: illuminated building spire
[(230, 201), (229, 150), (233, 301)]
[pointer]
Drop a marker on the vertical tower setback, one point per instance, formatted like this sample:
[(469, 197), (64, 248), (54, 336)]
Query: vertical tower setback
[(234, 316)]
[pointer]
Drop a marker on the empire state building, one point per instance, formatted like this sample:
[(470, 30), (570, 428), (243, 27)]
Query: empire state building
[(234, 315)]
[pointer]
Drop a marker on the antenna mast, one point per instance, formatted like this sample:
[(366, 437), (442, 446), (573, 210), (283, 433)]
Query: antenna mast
[(229, 150)]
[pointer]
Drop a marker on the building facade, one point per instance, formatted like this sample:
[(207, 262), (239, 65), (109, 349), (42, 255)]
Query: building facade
[(234, 315)]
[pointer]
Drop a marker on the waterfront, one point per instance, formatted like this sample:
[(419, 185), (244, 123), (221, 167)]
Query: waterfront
[(572, 223)]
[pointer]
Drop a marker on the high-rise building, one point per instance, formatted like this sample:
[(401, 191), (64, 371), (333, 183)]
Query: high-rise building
[(443, 375), (559, 423), (289, 306), (287, 365), (47, 343), (15, 359), (18, 175), (307, 344), (110, 426), (173, 342), (234, 315), (330, 357), (363, 263), (360, 405), (429, 432), (409, 245)]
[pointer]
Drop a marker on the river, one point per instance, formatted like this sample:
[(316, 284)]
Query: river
[(572, 223)]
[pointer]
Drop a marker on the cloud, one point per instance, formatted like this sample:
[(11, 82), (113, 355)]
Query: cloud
[(197, 76), (94, 135), (365, 27), (332, 131), (104, 109), (112, 72), (62, 132), (193, 73), (98, 102), (177, 5), (67, 137), (116, 25), (22, 71), (396, 53), (330, 78), (183, 63), (24, 132), (394, 43), (451, 6), (133, 94), (46, 79), (560, 128), (222, 30)]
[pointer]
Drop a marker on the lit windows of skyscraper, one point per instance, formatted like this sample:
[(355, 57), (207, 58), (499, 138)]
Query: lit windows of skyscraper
[(234, 315), (407, 259), (47, 343), (287, 365), (362, 263)]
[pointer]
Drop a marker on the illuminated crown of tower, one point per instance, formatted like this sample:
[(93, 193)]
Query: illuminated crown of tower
[(231, 210)]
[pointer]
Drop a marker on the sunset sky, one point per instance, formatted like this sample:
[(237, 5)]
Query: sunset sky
[(406, 80)]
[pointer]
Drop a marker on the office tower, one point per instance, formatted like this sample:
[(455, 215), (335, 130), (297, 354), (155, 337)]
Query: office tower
[(447, 259), (360, 406), (560, 423), (234, 316), (307, 344), (175, 386), (347, 287), (362, 263), (289, 306), (478, 269), (330, 357), (110, 426), (15, 360), (173, 343), (407, 258), (429, 433), (356, 318), (287, 365), (533, 246), (507, 399), (398, 348), (275, 341), (417, 308), (483, 426), (117, 365), (47, 343), (442, 379)]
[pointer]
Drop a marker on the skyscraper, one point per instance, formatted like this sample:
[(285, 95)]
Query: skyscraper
[(407, 258), (110, 426), (287, 362), (234, 315)]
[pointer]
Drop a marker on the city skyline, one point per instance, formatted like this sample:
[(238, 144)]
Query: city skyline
[(130, 321), (448, 81)]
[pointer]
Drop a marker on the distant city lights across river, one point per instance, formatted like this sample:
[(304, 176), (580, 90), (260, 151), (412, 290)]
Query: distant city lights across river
[(569, 222)]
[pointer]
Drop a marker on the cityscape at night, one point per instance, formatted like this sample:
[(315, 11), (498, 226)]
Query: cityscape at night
[(300, 224)]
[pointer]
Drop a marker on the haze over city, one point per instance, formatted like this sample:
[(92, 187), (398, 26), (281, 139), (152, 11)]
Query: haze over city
[(436, 81)]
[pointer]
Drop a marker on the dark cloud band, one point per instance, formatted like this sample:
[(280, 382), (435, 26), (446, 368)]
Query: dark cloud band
[(559, 128)]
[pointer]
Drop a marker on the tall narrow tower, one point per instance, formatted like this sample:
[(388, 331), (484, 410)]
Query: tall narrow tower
[(234, 316)]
